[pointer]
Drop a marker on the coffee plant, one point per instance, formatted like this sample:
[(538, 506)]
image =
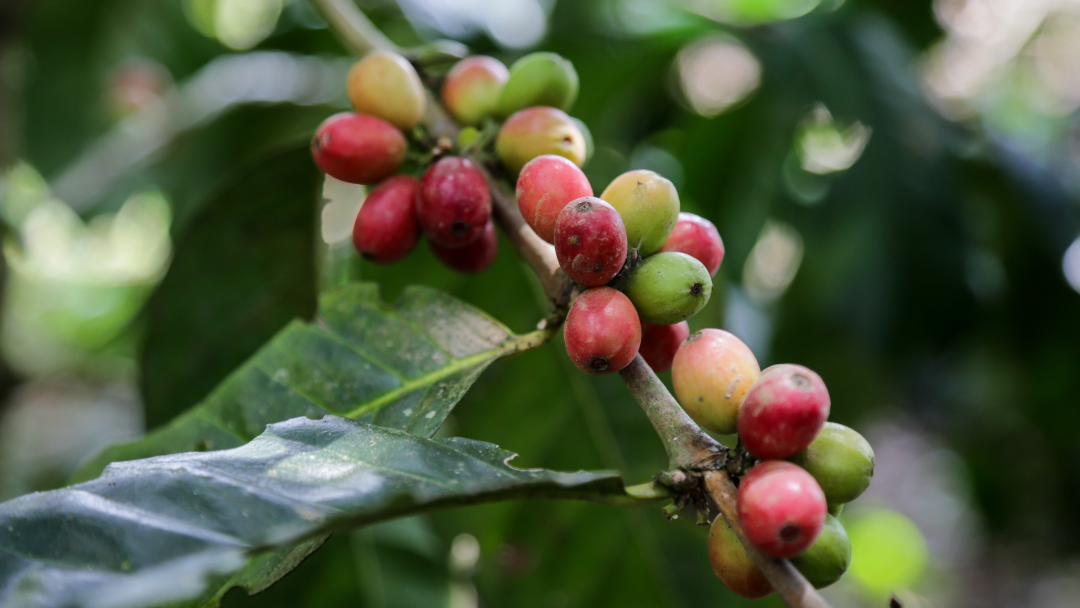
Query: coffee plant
[(330, 426)]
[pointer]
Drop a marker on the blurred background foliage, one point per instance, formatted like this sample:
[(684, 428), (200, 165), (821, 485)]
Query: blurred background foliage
[(896, 183)]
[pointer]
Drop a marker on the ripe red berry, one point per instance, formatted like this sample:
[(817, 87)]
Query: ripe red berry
[(783, 411), (474, 257), (386, 229), (659, 343), (602, 331), (454, 203), (781, 508), (697, 237), (590, 241), (358, 149), (547, 184)]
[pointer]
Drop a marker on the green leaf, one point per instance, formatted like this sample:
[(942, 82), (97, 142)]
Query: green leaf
[(172, 528), (402, 366), (244, 268)]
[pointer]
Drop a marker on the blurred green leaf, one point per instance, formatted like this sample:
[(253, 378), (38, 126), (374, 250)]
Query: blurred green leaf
[(244, 267), (159, 530)]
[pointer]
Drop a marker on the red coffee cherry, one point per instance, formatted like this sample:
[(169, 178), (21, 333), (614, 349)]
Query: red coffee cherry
[(697, 237), (732, 563), (454, 203), (659, 343), (590, 241), (783, 411), (547, 184), (358, 149), (474, 257), (781, 508), (386, 228), (602, 331)]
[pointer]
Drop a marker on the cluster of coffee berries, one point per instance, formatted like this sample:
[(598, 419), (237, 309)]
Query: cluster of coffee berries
[(808, 468), (646, 267), (448, 200)]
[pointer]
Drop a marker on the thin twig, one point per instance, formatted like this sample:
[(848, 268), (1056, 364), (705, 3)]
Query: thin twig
[(684, 441), (686, 445)]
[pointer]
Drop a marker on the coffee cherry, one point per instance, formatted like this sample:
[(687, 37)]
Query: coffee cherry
[(536, 131), (474, 257), (781, 508), (471, 89), (386, 85), (732, 563), (659, 343), (828, 558), (711, 373), (357, 149), (783, 411), (386, 228), (697, 237), (539, 79), (602, 331), (545, 185), (841, 461), (590, 241), (668, 287), (454, 203), (649, 206)]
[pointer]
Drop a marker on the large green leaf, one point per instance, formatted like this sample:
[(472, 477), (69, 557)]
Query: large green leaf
[(171, 528), (402, 366), (244, 268)]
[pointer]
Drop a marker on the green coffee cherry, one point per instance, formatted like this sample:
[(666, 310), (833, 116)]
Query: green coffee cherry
[(649, 206), (841, 461), (668, 287), (539, 79), (827, 559)]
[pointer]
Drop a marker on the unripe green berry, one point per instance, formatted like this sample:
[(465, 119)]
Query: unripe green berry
[(385, 85), (842, 462), (539, 79), (827, 559), (649, 206), (668, 287)]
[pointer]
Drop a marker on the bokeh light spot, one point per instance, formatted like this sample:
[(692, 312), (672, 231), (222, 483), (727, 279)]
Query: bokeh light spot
[(888, 552), (771, 266), (716, 73)]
